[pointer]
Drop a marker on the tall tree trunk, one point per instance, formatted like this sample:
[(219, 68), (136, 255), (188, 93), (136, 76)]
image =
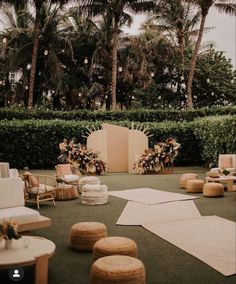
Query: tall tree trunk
[(114, 66), (193, 63), (34, 54), (180, 36)]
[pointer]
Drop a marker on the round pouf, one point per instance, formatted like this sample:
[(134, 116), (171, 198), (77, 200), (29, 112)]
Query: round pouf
[(94, 198), (185, 177), (94, 187), (84, 235), (194, 185), (213, 189), (212, 174), (66, 192), (88, 180), (117, 269), (114, 246)]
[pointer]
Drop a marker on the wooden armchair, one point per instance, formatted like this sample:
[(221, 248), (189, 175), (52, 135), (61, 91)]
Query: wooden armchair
[(39, 188), (68, 174)]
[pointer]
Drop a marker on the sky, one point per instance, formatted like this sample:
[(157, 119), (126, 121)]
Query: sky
[(223, 35)]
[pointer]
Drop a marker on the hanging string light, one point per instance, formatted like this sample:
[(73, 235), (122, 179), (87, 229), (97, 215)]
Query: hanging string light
[(45, 52)]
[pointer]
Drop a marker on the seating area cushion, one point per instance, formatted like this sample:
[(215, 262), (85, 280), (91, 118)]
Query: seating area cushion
[(31, 179), (63, 169), (71, 178), (20, 214), (11, 192), (41, 189)]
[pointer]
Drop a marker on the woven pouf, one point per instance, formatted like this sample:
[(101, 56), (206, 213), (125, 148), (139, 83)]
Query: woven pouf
[(94, 187), (113, 246), (94, 198), (185, 177), (117, 269), (194, 185), (213, 189), (66, 192), (88, 180), (84, 235)]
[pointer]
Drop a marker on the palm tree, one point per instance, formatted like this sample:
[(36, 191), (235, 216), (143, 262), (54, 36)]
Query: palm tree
[(38, 5), (204, 6), (118, 11)]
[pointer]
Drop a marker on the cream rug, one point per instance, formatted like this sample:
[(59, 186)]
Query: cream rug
[(136, 213), (209, 238), (150, 196)]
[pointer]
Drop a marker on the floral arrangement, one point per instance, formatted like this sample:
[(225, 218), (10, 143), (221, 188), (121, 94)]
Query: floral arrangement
[(83, 159), (155, 160), (8, 230), (224, 171)]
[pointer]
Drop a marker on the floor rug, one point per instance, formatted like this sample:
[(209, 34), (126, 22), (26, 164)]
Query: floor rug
[(150, 196), (209, 238), (136, 213)]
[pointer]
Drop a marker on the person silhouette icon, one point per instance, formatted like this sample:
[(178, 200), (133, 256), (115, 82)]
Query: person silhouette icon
[(16, 273)]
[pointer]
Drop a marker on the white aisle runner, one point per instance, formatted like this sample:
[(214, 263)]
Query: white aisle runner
[(136, 213), (150, 196), (209, 238)]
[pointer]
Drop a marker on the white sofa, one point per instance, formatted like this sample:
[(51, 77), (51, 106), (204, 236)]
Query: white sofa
[(12, 206)]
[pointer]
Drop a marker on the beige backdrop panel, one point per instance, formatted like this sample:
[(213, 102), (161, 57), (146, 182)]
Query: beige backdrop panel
[(97, 141), (117, 147), (138, 142)]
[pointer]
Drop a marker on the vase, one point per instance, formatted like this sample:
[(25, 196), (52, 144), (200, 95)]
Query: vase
[(8, 244)]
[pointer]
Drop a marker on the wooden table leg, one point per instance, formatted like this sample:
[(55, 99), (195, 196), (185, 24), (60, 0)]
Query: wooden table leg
[(230, 185), (41, 269)]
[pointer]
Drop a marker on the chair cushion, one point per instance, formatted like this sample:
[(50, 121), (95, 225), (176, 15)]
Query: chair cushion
[(20, 214), (31, 179), (71, 178), (41, 189), (63, 169), (226, 161)]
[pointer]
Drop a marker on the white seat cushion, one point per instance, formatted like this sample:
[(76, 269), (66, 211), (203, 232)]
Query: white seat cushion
[(20, 214), (88, 180), (41, 188), (94, 198), (71, 178)]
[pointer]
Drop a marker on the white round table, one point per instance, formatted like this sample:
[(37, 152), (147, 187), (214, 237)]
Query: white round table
[(28, 250)]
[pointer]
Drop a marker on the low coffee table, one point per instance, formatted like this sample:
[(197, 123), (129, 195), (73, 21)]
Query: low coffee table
[(29, 251), (229, 180)]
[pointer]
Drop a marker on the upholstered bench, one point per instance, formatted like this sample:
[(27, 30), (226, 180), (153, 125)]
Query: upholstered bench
[(117, 269), (185, 177), (114, 246), (88, 180), (66, 192), (194, 185), (84, 235), (213, 189)]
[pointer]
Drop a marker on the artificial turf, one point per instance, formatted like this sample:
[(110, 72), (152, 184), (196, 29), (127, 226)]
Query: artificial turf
[(164, 262)]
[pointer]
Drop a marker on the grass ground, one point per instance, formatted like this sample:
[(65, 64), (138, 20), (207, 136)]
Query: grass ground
[(164, 263)]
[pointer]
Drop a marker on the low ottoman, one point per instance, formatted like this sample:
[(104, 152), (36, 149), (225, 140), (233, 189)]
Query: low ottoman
[(88, 180), (66, 192), (94, 198), (118, 269), (113, 246), (84, 235), (185, 177), (194, 185), (213, 189), (94, 188)]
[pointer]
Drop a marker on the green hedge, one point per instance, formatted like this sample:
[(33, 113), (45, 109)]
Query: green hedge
[(131, 115), (217, 135), (34, 143)]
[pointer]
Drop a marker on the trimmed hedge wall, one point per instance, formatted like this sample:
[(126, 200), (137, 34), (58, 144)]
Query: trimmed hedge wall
[(34, 143), (131, 115), (217, 135)]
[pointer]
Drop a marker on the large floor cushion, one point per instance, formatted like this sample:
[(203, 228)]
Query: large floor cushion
[(20, 214), (195, 185), (94, 198), (88, 180), (94, 187), (185, 177), (113, 246), (117, 269), (213, 189)]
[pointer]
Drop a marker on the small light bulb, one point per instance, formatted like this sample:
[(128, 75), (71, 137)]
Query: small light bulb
[(45, 52)]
